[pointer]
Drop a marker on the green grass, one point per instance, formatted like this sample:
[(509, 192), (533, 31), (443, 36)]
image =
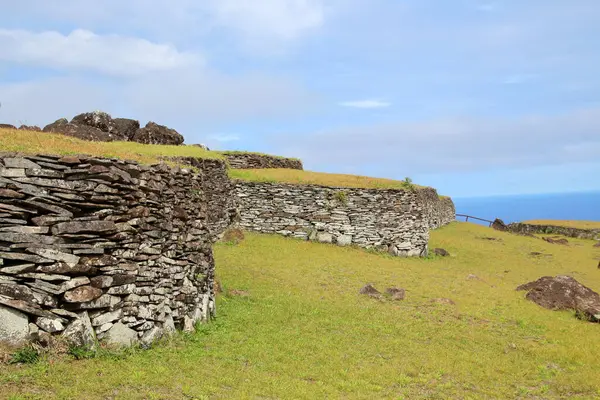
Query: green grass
[(566, 223), (304, 332), (299, 177), (51, 143)]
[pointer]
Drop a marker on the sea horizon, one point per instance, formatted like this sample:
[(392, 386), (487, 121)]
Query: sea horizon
[(516, 208)]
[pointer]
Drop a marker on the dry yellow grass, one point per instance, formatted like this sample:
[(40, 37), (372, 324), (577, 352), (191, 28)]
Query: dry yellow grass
[(566, 223), (28, 142), (299, 177)]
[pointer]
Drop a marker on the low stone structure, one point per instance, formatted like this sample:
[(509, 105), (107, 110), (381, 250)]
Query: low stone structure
[(390, 220), (239, 160), (439, 211), (530, 229), (93, 247)]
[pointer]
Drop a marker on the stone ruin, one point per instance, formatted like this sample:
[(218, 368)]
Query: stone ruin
[(94, 248)]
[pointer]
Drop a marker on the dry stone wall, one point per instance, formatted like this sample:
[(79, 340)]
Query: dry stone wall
[(439, 211), (388, 220), (95, 248), (523, 228), (260, 161)]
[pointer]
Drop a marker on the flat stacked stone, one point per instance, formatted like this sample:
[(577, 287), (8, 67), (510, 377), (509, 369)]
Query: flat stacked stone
[(94, 248)]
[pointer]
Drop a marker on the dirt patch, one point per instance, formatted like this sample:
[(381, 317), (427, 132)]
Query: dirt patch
[(238, 293), (564, 293), (538, 254), (443, 301), (556, 240), (492, 239), (233, 236)]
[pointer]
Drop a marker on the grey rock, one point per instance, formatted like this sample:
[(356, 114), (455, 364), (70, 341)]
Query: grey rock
[(69, 259), (74, 283), (107, 317), (35, 230), (104, 301), (344, 240), (19, 163), (81, 333), (324, 237), (14, 326), (121, 335), (50, 325), (74, 227), (152, 335)]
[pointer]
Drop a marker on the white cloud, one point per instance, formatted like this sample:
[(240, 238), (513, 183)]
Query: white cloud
[(270, 19), (369, 103), (84, 50), (458, 144), (224, 138)]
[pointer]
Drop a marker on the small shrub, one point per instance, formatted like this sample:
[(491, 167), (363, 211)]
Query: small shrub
[(341, 197), (407, 183), (81, 352), (26, 355)]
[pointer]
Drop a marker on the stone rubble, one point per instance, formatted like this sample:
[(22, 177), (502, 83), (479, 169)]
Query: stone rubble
[(240, 160)]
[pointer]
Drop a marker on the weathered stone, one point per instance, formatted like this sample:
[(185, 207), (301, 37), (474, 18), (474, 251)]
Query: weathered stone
[(153, 133), (35, 230), (82, 294), (62, 268), (121, 335), (12, 172), (18, 269), (81, 333), (344, 240), (75, 282), (152, 335), (24, 257), (324, 237), (27, 308), (49, 220), (19, 163), (564, 293), (396, 293), (370, 291), (29, 238), (440, 252), (10, 194), (69, 259), (74, 227), (107, 317), (50, 325), (104, 301), (17, 292), (14, 326)]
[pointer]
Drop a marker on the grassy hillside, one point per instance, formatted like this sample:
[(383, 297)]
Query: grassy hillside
[(12, 140), (304, 332), (567, 223), (299, 177)]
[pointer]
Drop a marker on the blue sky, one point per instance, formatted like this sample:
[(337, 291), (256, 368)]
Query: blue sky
[(473, 97)]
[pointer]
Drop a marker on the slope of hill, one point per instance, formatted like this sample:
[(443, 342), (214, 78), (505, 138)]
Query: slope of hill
[(291, 324)]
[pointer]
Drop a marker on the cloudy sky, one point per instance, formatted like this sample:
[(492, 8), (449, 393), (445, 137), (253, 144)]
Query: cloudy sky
[(473, 97)]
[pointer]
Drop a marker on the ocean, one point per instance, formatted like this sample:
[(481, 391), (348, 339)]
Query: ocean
[(573, 206)]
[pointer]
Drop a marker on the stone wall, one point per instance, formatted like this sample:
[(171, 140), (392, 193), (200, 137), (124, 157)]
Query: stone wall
[(389, 220), (260, 161), (104, 248), (522, 228), (439, 211)]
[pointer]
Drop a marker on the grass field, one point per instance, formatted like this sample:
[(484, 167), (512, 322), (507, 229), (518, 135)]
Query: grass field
[(567, 223), (304, 332), (27, 142), (299, 177)]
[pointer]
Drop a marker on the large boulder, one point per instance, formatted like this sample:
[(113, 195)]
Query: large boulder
[(118, 130), (564, 293), (83, 132), (80, 332), (153, 133), (126, 128)]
